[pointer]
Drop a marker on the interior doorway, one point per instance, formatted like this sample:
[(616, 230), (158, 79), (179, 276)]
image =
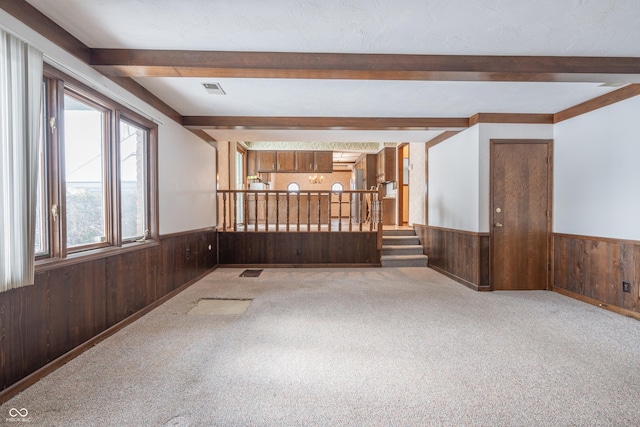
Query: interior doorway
[(403, 184), (521, 185)]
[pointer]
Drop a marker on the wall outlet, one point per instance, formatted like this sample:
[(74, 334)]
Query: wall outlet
[(626, 286)]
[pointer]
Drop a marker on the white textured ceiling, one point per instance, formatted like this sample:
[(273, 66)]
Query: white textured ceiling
[(452, 27)]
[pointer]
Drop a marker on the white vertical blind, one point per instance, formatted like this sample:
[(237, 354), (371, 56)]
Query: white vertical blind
[(20, 101)]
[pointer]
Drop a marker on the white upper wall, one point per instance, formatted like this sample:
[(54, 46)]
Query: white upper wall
[(417, 188), (186, 163), (597, 173), (453, 182)]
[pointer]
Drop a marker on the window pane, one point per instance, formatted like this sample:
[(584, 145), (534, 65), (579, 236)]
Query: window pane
[(84, 167), (42, 229), (133, 180), (293, 187)]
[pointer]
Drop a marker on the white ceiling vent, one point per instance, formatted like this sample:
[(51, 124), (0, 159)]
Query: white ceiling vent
[(214, 88)]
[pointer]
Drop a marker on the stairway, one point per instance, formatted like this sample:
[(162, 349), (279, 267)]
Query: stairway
[(401, 248)]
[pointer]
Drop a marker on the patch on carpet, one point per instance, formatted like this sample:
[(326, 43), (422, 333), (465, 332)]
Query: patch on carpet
[(251, 273), (220, 306)]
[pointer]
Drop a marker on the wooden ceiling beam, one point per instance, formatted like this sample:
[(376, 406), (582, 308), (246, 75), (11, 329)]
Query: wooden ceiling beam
[(182, 63), (323, 123)]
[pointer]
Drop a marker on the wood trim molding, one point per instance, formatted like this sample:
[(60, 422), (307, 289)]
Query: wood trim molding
[(441, 138), (468, 284), (306, 65), (34, 377), (311, 123), (544, 119), (618, 95), (598, 239), (598, 303)]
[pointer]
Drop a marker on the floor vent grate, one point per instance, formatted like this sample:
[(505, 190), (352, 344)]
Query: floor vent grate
[(251, 273)]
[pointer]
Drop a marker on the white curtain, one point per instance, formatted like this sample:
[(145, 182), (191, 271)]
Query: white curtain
[(20, 102)]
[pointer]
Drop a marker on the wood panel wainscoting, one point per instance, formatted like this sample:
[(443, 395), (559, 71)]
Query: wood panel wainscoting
[(315, 249), (75, 304), (461, 255), (593, 270)]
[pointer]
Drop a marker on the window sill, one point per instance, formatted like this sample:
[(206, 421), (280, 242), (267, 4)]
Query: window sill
[(91, 255)]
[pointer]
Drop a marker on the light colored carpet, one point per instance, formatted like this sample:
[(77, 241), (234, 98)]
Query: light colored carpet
[(388, 347)]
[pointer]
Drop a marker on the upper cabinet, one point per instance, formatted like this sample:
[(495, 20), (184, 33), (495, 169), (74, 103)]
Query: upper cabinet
[(323, 161), (292, 161), (304, 161), (386, 165), (267, 161), (286, 161)]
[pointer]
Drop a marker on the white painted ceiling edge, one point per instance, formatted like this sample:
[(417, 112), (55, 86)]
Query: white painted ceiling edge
[(453, 27)]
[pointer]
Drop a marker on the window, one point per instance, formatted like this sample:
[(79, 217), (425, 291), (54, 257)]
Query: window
[(84, 165), (336, 187), (133, 182), (293, 187), (98, 162)]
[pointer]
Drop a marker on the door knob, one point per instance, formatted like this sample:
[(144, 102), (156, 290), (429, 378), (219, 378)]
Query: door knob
[(497, 224)]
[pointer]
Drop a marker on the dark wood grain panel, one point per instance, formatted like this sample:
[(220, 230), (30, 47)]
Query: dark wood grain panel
[(462, 255), (596, 267), (73, 303), (298, 248)]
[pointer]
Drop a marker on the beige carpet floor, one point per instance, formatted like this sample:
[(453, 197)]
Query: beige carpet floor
[(358, 347)]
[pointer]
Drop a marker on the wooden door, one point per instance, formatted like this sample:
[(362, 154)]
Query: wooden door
[(520, 213)]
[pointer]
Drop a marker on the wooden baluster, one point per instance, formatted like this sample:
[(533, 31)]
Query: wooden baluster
[(245, 211), (277, 211), (340, 211), (298, 211), (266, 211), (372, 210), (361, 207), (319, 211), (235, 211), (308, 211), (288, 200), (255, 196), (349, 213), (224, 211)]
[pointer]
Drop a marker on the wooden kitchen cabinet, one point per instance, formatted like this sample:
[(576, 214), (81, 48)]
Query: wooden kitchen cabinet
[(386, 165), (304, 161), (323, 161), (286, 161), (267, 161)]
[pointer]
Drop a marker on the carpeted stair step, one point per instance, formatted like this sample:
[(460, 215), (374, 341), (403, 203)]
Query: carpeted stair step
[(402, 250), (400, 240), (407, 232), (404, 260)]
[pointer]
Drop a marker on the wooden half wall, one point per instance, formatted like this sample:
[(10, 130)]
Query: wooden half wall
[(70, 305), (593, 269), (461, 255), (311, 249)]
